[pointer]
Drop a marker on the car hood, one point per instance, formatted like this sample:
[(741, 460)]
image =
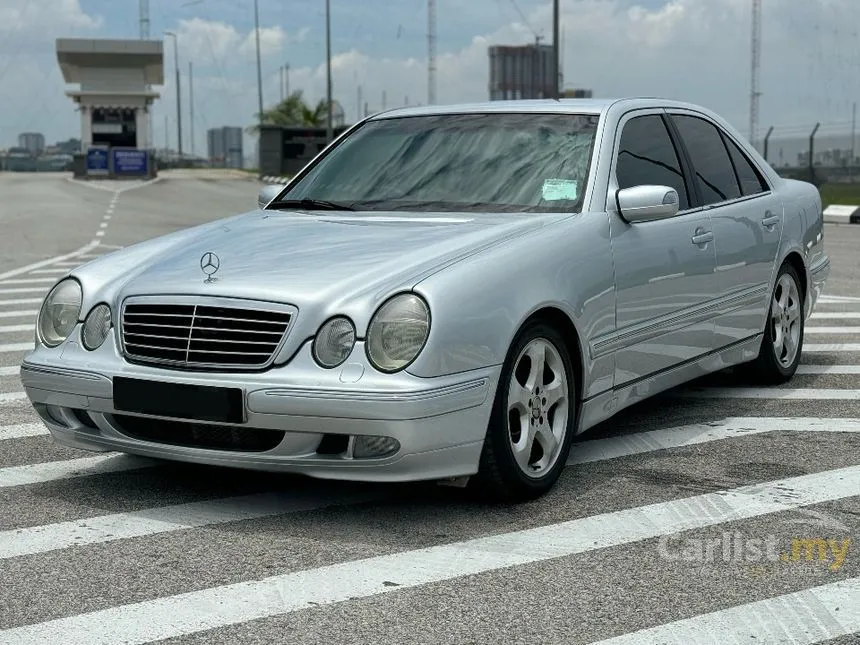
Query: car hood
[(323, 263)]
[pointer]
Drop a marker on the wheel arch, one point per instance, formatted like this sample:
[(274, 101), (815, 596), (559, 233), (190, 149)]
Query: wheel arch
[(795, 260)]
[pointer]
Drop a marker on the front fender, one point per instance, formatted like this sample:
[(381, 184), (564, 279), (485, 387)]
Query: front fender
[(478, 305)]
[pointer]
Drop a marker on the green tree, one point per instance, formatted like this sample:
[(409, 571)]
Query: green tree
[(293, 110)]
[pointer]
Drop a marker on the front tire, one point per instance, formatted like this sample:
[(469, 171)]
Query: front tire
[(533, 418), (782, 344)]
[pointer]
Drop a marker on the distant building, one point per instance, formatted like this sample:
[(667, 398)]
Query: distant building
[(522, 72), (70, 146), (34, 142), (225, 147)]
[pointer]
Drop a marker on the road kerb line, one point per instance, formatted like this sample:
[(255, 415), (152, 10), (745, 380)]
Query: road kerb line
[(212, 608), (22, 431), (801, 618), (803, 394), (42, 263)]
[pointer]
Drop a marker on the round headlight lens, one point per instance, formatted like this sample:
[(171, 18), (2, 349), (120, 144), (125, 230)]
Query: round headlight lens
[(334, 342), (397, 332), (96, 327), (60, 312)]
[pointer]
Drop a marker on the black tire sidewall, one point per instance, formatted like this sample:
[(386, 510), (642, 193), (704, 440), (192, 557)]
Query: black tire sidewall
[(769, 360), (498, 431)]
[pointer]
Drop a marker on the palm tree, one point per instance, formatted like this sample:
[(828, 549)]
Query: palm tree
[(293, 110)]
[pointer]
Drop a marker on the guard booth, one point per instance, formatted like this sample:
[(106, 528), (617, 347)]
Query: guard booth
[(285, 150), (114, 98)]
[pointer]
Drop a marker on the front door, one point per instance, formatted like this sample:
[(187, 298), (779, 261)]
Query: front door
[(664, 270)]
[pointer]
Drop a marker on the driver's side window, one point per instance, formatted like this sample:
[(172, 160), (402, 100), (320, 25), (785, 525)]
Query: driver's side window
[(647, 156)]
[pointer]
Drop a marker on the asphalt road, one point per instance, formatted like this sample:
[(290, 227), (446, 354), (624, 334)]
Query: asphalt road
[(668, 526)]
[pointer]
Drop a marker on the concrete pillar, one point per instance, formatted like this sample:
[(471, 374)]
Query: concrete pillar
[(141, 122), (86, 127)]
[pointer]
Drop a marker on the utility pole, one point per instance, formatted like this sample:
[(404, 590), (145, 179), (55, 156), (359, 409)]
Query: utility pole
[(287, 79), (281, 72), (853, 140), (755, 64), (431, 52), (144, 35), (259, 68), (358, 105), (328, 128), (555, 50), (166, 137), (178, 91), (191, 104)]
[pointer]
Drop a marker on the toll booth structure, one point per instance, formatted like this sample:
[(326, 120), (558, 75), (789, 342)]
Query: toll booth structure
[(114, 97)]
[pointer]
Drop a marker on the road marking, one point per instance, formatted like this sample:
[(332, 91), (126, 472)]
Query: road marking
[(69, 469), (197, 611), (699, 433), (22, 430), (103, 225), (800, 618), (800, 393), (54, 271), (21, 301), (16, 314), (12, 370), (166, 519), (833, 299), (68, 264), (831, 347), (9, 329), (828, 369), (836, 315), (16, 347), (42, 263), (832, 330), (12, 397), (47, 281), (100, 234)]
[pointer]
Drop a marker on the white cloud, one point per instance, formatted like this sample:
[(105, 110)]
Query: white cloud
[(271, 42)]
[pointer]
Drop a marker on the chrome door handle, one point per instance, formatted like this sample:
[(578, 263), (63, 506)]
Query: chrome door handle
[(703, 238), (770, 220)]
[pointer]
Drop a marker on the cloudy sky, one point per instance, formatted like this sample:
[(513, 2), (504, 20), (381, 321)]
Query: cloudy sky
[(695, 50)]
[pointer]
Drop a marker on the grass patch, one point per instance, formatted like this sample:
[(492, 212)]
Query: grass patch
[(848, 194)]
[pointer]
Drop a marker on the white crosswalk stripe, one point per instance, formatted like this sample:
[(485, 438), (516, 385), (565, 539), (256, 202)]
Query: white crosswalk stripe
[(16, 347), (832, 330), (21, 430), (830, 348), (14, 329), (772, 393), (828, 369), (21, 313), (12, 397), (20, 301), (10, 370), (19, 281), (14, 476), (12, 290), (192, 612)]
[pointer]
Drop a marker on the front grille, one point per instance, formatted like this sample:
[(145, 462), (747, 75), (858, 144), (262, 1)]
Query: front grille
[(188, 335), (198, 435)]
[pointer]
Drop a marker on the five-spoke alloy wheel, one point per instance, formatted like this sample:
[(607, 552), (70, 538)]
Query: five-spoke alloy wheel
[(532, 424), (783, 335)]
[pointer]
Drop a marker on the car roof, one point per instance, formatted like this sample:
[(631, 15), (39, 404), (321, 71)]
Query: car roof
[(572, 106)]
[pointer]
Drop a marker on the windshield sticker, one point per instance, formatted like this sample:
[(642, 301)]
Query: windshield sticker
[(558, 189)]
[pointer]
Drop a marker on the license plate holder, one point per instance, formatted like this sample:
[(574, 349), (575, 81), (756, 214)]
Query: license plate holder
[(179, 400)]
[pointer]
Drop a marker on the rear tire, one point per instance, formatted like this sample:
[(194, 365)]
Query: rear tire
[(782, 344), (533, 418)]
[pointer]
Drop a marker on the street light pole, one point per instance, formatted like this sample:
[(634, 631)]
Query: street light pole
[(329, 133), (259, 68), (178, 91), (555, 51), (191, 104)]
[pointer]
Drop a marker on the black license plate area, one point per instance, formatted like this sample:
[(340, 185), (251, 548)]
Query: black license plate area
[(178, 400)]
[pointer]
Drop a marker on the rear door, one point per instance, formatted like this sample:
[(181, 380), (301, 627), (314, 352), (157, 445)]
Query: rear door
[(746, 216), (664, 269)]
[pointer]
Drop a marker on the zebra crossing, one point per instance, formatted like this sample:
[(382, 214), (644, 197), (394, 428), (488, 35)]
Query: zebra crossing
[(109, 548)]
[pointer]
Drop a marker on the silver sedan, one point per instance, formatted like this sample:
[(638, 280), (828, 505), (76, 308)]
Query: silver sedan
[(444, 293)]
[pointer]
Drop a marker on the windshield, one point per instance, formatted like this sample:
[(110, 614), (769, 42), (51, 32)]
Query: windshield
[(457, 162)]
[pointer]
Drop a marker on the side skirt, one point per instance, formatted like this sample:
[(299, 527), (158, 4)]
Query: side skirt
[(603, 406)]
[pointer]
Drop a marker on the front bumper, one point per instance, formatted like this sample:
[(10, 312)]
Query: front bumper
[(438, 424)]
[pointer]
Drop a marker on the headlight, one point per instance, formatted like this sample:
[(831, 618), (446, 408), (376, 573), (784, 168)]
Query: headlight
[(397, 332), (60, 312), (334, 342), (96, 327)]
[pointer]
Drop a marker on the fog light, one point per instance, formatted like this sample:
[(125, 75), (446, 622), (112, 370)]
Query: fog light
[(96, 327), (372, 446)]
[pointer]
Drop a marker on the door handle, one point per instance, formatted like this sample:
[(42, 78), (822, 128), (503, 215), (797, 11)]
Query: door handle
[(703, 237), (770, 220)]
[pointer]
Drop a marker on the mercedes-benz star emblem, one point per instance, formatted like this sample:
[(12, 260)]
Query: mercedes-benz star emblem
[(210, 263)]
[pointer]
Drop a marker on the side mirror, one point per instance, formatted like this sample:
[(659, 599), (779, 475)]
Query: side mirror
[(647, 203), (267, 194)]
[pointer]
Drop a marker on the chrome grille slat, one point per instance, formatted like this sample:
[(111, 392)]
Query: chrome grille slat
[(183, 335)]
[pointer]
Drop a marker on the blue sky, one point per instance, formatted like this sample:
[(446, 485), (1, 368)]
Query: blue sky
[(696, 50)]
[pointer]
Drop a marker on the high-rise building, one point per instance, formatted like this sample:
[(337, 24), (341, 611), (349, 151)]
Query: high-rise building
[(225, 147), (32, 141), (522, 72)]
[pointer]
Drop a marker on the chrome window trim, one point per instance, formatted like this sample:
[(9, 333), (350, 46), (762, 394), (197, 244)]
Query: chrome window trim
[(205, 301)]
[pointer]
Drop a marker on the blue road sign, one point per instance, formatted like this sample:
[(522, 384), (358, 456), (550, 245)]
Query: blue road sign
[(130, 161), (97, 160)]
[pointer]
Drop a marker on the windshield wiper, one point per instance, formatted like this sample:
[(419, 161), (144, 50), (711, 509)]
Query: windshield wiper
[(310, 205)]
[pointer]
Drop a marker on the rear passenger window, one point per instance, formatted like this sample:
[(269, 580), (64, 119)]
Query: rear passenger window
[(647, 156), (714, 171), (750, 179)]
